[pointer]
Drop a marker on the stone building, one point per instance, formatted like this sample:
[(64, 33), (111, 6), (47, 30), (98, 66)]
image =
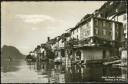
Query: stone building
[(96, 38), (117, 11)]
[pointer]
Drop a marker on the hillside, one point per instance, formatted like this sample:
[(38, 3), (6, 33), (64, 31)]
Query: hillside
[(111, 8), (10, 58), (8, 52)]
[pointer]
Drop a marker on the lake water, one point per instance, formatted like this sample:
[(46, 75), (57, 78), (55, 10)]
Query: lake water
[(48, 72)]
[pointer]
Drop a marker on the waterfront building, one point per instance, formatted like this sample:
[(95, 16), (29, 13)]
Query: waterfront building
[(97, 37), (38, 53), (117, 11), (43, 53), (114, 10)]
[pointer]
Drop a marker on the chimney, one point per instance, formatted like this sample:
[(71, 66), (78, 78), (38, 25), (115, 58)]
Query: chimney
[(48, 38)]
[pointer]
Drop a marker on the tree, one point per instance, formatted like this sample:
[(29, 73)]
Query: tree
[(48, 49)]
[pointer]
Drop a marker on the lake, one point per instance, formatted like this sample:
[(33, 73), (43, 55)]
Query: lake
[(21, 71)]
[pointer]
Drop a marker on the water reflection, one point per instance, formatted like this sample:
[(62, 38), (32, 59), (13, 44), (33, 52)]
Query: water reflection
[(78, 73), (10, 66), (54, 73), (125, 73), (48, 72)]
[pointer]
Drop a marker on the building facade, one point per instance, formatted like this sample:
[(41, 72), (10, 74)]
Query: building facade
[(94, 29), (96, 37)]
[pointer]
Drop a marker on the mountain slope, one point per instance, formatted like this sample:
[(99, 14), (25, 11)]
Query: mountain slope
[(8, 52)]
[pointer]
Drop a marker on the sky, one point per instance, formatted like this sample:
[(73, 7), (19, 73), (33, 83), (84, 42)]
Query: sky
[(28, 24)]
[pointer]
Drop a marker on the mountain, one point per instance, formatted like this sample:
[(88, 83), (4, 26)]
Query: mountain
[(11, 58), (11, 52)]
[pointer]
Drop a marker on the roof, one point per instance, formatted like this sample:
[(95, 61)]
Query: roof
[(89, 17), (106, 9), (107, 19), (52, 41), (87, 46), (83, 20)]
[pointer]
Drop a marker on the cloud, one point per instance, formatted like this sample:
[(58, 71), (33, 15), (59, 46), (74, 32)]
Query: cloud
[(34, 28), (35, 18)]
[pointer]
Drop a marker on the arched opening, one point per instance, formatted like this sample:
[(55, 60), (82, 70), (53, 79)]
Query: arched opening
[(78, 55), (62, 53)]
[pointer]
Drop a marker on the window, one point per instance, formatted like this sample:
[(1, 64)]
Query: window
[(124, 27), (100, 23), (96, 22), (117, 26), (77, 36), (87, 33), (109, 25), (104, 54), (87, 24), (124, 17), (73, 32), (104, 32), (110, 33), (77, 29), (78, 55), (62, 53), (116, 34), (96, 31), (104, 23)]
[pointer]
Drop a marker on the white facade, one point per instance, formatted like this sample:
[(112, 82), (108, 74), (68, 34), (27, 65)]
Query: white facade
[(83, 31), (35, 53), (41, 50), (113, 31), (86, 30), (32, 53), (68, 38), (122, 18), (110, 30), (61, 44), (76, 33), (54, 46), (92, 54), (124, 57)]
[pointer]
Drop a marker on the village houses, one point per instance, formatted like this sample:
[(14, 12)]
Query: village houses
[(97, 37), (95, 29)]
